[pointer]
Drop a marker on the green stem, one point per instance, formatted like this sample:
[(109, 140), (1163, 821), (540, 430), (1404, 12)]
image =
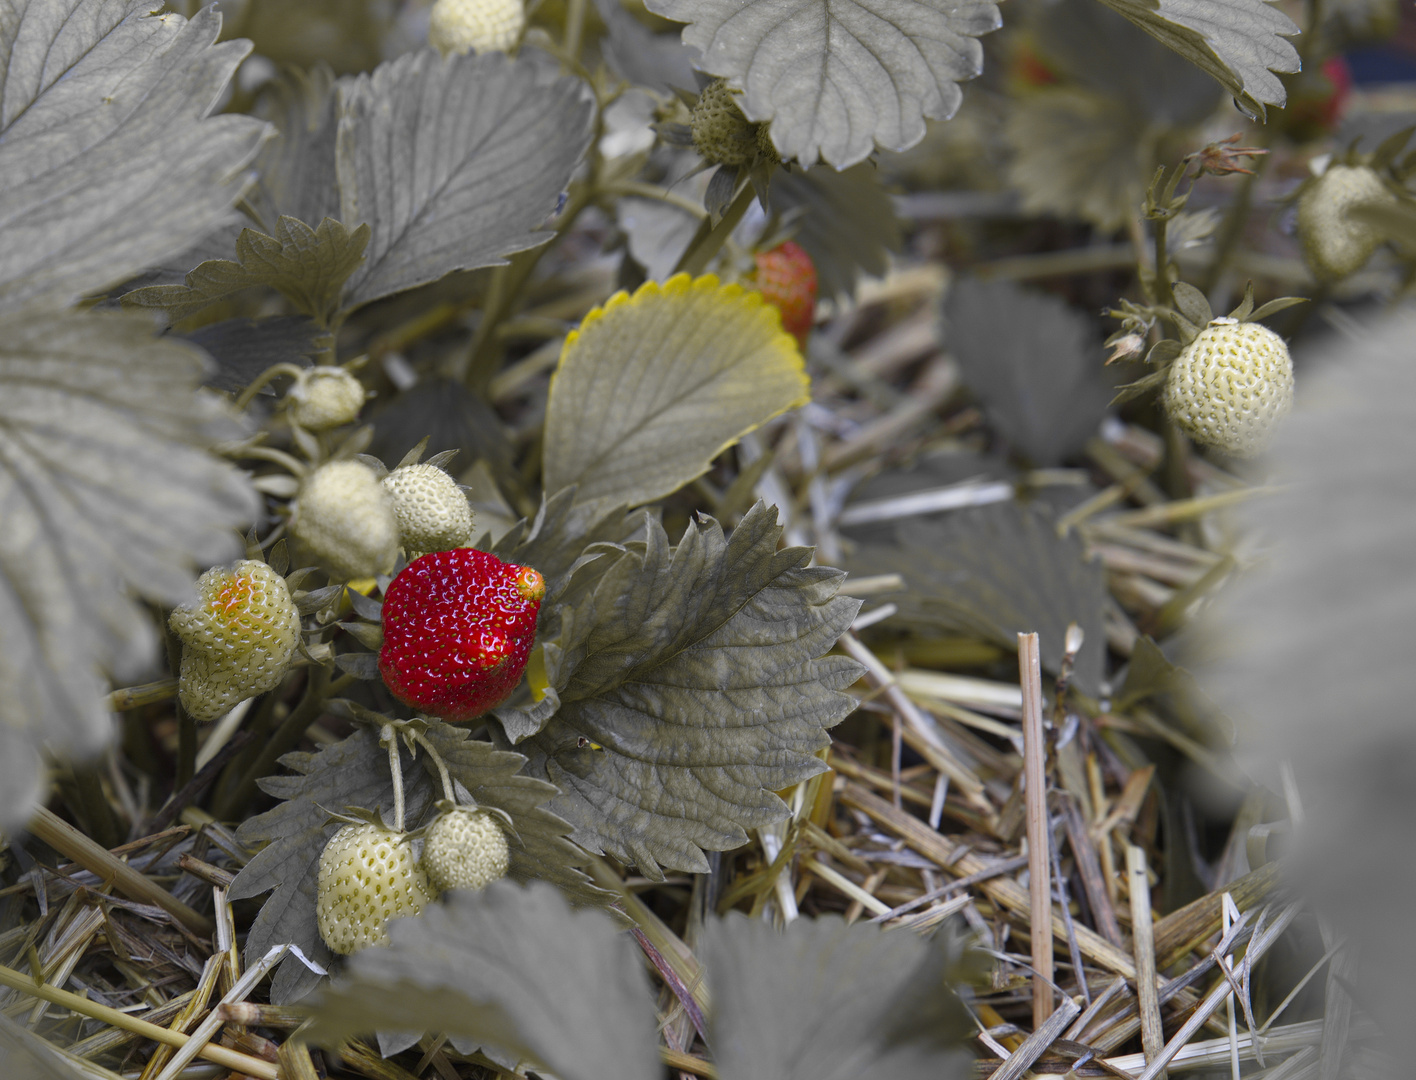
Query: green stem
[(389, 737), (1234, 222), (574, 27), (249, 394), (285, 739), (1307, 48), (709, 238), (1177, 451), (448, 793), (291, 464), (637, 189), (1163, 293)]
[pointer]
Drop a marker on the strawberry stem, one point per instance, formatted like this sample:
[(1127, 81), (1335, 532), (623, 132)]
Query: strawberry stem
[(389, 737), (248, 395), (448, 792)]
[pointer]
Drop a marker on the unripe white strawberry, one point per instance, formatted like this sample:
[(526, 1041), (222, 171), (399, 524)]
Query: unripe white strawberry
[(367, 876), (238, 639), (432, 511), (323, 398), (1336, 244), (465, 849), (1230, 386), (344, 516), (722, 135), (457, 26)]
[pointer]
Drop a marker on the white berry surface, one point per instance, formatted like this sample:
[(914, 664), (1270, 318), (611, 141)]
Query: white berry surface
[(323, 398), (459, 26), (465, 849), (367, 876), (1335, 243), (344, 517), (238, 639), (432, 511), (1230, 386)]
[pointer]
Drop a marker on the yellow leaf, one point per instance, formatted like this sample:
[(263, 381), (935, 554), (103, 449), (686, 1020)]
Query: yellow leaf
[(652, 387)]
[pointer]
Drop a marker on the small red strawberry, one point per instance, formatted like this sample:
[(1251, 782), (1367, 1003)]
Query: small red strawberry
[(458, 627), (1029, 69), (786, 278), (1317, 100)]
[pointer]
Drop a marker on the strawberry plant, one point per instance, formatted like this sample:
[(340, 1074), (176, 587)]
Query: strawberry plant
[(580, 537)]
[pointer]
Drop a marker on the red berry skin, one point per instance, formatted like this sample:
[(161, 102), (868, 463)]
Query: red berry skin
[(458, 627), (786, 277)]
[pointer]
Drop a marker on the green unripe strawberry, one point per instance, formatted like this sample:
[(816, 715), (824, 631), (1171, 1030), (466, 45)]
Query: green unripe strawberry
[(465, 849), (459, 26), (323, 398), (1335, 243), (367, 876), (432, 511), (722, 135), (1230, 386), (238, 639), (344, 517)]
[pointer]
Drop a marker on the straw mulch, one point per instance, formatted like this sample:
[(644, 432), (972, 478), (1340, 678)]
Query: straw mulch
[(1171, 945)]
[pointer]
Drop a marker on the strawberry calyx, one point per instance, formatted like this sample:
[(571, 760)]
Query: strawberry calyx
[(531, 585)]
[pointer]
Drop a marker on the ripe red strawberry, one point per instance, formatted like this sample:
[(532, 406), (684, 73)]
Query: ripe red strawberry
[(458, 627), (786, 278)]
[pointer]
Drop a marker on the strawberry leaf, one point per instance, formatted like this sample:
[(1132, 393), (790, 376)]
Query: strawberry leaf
[(639, 55), (109, 161), (309, 266), (652, 387), (692, 688), (1397, 221), (997, 571), (1077, 153), (1192, 304), (453, 163), (892, 1014), (296, 165), (1149, 674), (839, 78), (1091, 47), (354, 772), (243, 348), (1032, 362), (514, 967), (106, 493), (1084, 146), (1241, 43), (846, 223), (555, 540)]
